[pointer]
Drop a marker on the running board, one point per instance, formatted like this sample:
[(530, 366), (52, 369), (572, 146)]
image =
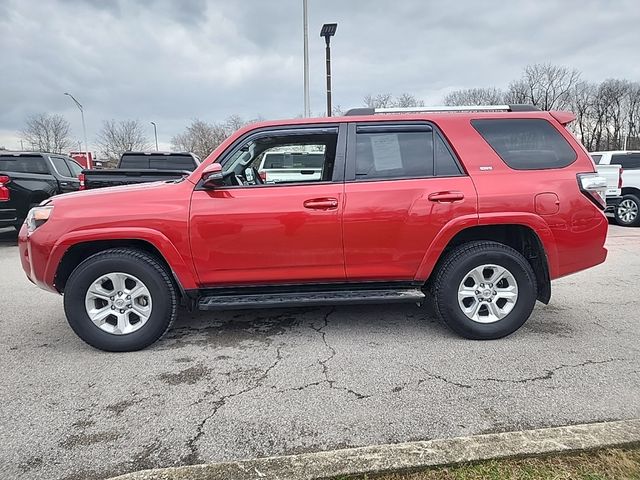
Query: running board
[(310, 299)]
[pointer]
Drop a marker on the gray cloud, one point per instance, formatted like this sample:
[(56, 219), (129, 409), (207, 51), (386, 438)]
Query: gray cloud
[(171, 61)]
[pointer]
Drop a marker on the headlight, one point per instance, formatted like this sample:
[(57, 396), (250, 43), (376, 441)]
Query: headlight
[(38, 216)]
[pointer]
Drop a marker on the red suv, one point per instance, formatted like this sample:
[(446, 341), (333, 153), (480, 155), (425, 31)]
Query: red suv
[(476, 208)]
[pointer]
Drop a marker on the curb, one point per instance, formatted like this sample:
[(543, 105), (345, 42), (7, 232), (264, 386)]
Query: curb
[(407, 456)]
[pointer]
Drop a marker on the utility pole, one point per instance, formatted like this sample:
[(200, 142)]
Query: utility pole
[(305, 28)]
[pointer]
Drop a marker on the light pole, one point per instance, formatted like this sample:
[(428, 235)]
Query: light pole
[(84, 127), (305, 28), (155, 132), (328, 31)]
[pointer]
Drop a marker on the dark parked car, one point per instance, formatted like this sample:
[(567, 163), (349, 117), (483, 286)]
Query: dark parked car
[(142, 167), (28, 178)]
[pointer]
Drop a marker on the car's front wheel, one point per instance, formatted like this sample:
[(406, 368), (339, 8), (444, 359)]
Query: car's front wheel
[(120, 300), (484, 290), (628, 211)]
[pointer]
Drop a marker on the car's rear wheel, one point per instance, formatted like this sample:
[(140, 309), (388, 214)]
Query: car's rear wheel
[(484, 290), (628, 211), (120, 300)]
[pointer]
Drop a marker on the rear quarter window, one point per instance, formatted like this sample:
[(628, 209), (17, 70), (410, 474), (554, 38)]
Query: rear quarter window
[(526, 143)]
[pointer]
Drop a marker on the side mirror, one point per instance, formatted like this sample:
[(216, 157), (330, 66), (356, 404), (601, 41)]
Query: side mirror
[(212, 176)]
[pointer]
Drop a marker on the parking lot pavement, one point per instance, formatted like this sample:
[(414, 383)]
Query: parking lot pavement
[(257, 383)]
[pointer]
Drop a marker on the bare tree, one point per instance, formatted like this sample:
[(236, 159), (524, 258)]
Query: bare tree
[(115, 138), (47, 133), (475, 96), (544, 85), (200, 138), (386, 100)]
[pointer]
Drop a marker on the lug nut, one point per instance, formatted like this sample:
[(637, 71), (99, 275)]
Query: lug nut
[(128, 297), (489, 300), (119, 293), (121, 311), (494, 292), (112, 307), (477, 292), (112, 298)]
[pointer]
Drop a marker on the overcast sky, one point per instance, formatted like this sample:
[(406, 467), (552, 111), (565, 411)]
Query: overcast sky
[(173, 61)]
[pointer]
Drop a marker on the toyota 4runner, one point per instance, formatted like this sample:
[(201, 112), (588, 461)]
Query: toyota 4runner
[(474, 208)]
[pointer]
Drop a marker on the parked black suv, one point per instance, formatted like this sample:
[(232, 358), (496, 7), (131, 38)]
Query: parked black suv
[(28, 178)]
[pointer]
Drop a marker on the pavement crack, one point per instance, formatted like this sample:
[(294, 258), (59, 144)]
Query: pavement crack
[(549, 373), (193, 457)]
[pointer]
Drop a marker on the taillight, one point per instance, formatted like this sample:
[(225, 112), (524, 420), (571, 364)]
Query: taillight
[(620, 178), (263, 175), (4, 190), (81, 178), (594, 187)]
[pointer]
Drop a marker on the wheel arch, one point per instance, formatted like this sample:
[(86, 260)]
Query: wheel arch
[(521, 237), (631, 191), (69, 252)]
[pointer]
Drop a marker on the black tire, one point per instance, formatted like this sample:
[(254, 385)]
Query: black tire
[(141, 265), (631, 200), (454, 268)]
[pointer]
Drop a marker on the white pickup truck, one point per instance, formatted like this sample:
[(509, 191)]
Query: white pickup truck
[(626, 206), (281, 167)]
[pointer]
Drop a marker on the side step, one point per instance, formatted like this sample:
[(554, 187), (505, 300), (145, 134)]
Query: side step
[(310, 299)]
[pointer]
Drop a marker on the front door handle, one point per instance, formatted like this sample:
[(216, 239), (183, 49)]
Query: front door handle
[(446, 197), (321, 203)]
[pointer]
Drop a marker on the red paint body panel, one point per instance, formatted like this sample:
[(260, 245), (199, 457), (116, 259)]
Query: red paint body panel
[(323, 232), (266, 234), (389, 225)]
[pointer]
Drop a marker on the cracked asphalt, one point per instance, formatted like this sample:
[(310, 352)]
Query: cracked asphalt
[(237, 385)]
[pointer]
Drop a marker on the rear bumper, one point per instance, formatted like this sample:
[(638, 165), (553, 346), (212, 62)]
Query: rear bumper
[(8, 217), (612, 203)]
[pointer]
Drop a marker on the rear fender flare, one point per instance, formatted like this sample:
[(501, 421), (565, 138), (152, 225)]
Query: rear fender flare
[(455, 226)]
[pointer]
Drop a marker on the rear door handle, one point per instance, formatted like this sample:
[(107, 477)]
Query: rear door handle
[(446, 197), (321, 203)]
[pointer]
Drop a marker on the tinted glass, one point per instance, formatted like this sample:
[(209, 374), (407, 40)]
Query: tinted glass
[(526, 143), (445, 163), (23, 164), (596, 158), (394, 155), (172, 162), (61, 166), (628, 161), (293, 160), (75, 168), (134, 161)]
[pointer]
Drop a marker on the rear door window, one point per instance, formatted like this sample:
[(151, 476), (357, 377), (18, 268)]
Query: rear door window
[(628, 161), (393, 153), (75, 167), (61, 166), (23, 164), (526, 143)]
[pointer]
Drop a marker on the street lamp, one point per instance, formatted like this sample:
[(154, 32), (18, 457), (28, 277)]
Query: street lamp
[(155, 132), (84, 127), (328, 31)]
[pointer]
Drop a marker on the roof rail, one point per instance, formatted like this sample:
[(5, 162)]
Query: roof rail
[(444, 108)]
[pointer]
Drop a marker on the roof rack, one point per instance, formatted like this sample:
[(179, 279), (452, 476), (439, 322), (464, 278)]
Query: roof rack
[(458, 108)]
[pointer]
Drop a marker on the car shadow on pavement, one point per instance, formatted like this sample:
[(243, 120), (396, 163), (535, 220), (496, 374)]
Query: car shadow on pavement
[(8, 236), (232, 328)]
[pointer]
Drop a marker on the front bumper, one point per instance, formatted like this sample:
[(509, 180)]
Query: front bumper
[(34, 257)]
